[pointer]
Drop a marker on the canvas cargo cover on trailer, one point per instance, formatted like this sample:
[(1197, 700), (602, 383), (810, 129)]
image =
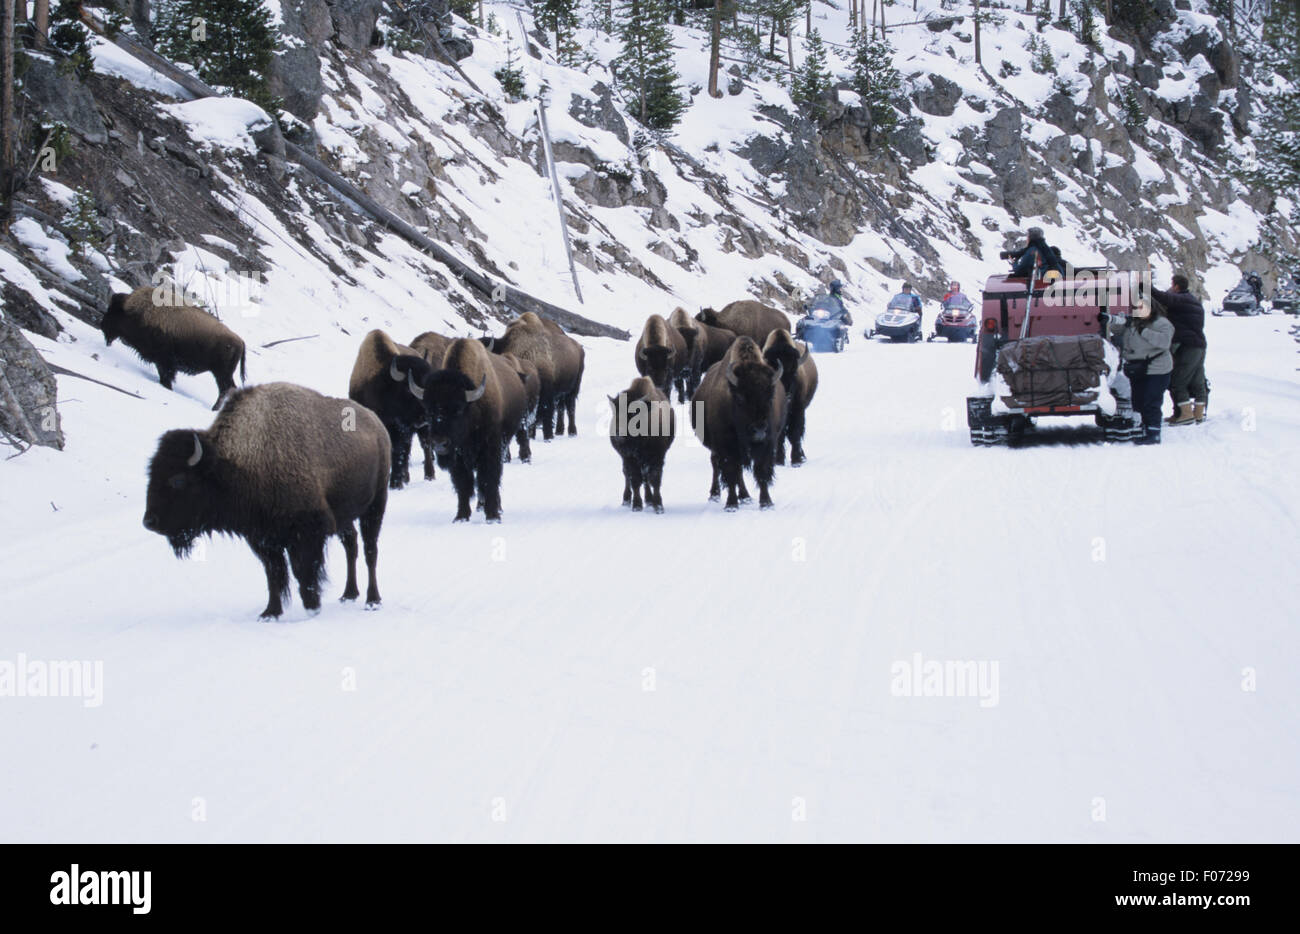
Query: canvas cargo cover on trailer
[(1050, 370)]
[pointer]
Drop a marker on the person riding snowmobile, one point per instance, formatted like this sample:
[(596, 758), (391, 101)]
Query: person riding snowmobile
[(954, 293), (907, 293), (1036, 258), (837, 294)]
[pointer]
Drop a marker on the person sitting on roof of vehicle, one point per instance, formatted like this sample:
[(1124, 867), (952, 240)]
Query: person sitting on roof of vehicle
[(1037, 258), (906, 293)]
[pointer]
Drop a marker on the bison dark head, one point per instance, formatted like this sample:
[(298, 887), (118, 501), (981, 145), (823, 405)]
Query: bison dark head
[(657, 362), (788, 357), (111, 323), (447, 396), (488, 342), (708, 316), (408, 373), (179, 500), (752, 388)]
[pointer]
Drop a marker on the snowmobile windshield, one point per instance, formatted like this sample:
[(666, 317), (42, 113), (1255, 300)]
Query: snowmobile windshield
[(958, 303), (825, 307), (903, 301)]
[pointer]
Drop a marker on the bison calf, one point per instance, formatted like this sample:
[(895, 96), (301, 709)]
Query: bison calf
[(175, 338), (738, 413), (284, 468), (642, 430)]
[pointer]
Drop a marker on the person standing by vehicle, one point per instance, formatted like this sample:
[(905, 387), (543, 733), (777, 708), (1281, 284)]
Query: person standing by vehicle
[(1144, 345), (1187, 381)]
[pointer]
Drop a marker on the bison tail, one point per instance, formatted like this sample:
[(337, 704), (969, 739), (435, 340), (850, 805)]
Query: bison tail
[(243, 370)]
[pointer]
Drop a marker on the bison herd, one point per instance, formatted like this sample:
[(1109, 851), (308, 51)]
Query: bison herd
[(285, 468), (749, 383)]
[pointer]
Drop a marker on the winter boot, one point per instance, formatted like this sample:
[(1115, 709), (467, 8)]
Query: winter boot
[(1151, 435), (1184, 415), (1198, 412)]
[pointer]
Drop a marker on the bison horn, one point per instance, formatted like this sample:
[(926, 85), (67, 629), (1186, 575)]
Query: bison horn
[(776, 378), (473, 395), (641, 354), (731, 374), (803, 356), (394, 372), (198, 452), (415, 390)]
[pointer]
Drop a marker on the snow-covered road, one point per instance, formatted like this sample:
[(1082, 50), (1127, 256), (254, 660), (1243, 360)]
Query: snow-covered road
[(580, 672)]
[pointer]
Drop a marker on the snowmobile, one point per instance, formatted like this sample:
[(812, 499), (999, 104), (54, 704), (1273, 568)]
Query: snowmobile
[(956, 320), (825, 324), (1240, 301), (1286, 297), (899, 321)]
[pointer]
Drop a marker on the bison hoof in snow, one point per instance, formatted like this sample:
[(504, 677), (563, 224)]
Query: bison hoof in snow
[(659, 510), (372, 606)]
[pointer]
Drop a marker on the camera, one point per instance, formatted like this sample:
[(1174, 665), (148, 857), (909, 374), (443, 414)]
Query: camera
[(1005, 254)]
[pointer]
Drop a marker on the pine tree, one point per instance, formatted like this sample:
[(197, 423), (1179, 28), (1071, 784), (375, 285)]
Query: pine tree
[(71, 36), (510, 74), (559, 18), (877, 82), (229, 43), (645, 69), (811, 83)]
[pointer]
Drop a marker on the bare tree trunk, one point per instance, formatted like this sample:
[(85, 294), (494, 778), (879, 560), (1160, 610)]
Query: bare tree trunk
[(41, 16), (978, 60), (7, 128), (789, 47), (715, 48)]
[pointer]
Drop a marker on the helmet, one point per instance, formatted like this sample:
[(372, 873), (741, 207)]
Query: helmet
[(836, 285), (1035, 233)]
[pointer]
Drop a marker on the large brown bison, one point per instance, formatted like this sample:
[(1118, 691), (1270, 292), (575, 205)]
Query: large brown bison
[(559, 360), (799, 374), (175, 338), (661, 355), (383, 380), (692, 364), (746, 319), (532, 392), (475, 402), (717, 341), (641, 430), (738, 413), (284, 468)]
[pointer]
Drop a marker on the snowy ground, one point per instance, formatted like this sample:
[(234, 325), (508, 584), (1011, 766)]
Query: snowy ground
[(583, 673)]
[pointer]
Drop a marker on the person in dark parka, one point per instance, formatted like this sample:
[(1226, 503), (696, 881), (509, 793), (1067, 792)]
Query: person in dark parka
[(1037, 258), (1187, 382)]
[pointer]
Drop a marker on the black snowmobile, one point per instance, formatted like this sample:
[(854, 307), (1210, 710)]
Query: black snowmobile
[(1241, 300), (1286, 297)]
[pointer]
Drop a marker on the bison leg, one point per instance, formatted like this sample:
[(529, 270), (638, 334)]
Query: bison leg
[(764, 474), (560, 408), (370, 523), (348, 534), (462, 478), (166, 375), (525, 450), (400, 438), (489, 485), (307, 558), (732, 477), (740, 482), (714, 490), (571, 404), (634, 478), (277, 577), (654, 477), (794, 431), (225, 384), (427, 447), (546, 415)]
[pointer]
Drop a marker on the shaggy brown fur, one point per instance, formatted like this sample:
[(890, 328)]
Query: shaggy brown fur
[(284, 468), (692, 365), (738, 413), (373, 385), (175, 338), (532, 392), (560, 361), (661, 355), (746, 319), (475, 403), (641, 430), (799, 374)]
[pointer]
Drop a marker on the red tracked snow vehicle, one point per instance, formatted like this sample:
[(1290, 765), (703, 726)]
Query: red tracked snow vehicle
[(1043, 349)]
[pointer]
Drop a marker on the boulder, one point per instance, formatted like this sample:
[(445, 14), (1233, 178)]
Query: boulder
[(1205, 122), (29, 408), (937, 97), (64, 99), (354, 22), (1148, 75), (599, 114)]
